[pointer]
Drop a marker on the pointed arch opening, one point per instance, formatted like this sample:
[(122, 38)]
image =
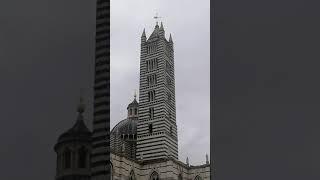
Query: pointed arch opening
[(154, 176), (197, 178), (132, 176), (180, 177)]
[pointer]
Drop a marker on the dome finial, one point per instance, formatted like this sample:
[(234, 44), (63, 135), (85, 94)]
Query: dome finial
[(81, 105)]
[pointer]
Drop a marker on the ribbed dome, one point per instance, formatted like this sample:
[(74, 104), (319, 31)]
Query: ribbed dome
[(127, 127), (79, 131)]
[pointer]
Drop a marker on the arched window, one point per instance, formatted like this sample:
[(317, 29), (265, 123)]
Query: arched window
[(151, 95), (82, 161), (135, 111), (198, 178), (151, 112), (180, 177), (132, 176), (150, 128), (67, 159), (154, 176)]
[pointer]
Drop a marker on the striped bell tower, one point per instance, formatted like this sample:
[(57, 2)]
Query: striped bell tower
[(157, 129), (100, 153)]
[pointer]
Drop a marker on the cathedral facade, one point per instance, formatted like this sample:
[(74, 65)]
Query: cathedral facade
[(144, 146)]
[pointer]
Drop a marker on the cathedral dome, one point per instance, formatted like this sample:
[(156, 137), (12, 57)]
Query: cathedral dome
[(79, 131), (125, 127)]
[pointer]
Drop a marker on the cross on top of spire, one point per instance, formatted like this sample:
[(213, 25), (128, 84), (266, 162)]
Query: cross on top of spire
[(156, 17)]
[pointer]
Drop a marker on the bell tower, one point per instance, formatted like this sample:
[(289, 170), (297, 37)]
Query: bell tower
[(157, 129)]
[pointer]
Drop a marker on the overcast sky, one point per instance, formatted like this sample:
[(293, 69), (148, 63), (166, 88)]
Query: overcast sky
[(188, 22), (46, 56)]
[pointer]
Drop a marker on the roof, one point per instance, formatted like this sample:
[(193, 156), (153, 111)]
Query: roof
[(78, 132), (134, 103), (157, 32)]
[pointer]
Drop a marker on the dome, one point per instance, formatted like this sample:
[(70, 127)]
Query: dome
[(78, 132), (127, 126)]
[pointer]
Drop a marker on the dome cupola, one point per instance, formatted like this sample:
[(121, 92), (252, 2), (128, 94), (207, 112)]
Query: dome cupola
[(133, 108)]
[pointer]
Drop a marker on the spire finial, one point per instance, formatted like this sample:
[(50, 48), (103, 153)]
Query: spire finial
[(207, 159), (156, 17), (135, 94), (170, 38)]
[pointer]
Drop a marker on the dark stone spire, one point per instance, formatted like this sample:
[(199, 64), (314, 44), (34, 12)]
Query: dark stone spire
[(170, 38)]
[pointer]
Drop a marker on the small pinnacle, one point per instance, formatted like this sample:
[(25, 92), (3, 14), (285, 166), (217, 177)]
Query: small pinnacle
[(207, 159), (170, 38), (144, 32)]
